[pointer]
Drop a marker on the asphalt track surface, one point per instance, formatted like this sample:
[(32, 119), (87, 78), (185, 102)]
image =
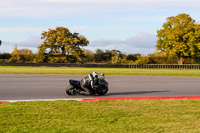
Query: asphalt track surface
[(27, 87)]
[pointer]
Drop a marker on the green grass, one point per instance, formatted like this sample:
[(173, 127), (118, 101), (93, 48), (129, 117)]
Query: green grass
[(107, 71), (126, 116)]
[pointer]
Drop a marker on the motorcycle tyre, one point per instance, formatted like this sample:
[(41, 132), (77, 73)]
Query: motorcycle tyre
[(69, 90), (102, 93)]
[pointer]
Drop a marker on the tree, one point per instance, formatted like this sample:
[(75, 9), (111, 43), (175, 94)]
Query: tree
[(21, 55), (179, 36), (142, 60), (103, 56), (61, 42), (14, 55), (0, 42), (99, 55), (133, 57), (5, 56), (118, 57), (88, 56)]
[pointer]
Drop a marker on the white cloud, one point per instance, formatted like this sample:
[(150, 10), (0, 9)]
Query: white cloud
[(142, 40), (49, 8), (22, 29), (30, 43), (139, 18), (105, 1), (33, 41), (36, 29), (141, 43), (6, 47)]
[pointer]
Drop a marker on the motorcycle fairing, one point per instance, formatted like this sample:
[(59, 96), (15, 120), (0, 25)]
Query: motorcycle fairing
[(74, 82)]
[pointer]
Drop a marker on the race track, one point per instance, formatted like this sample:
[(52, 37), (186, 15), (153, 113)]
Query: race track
[(25, 87)]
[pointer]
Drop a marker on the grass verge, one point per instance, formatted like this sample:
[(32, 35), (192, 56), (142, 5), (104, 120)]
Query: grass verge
[(107, 71), (101, 116)]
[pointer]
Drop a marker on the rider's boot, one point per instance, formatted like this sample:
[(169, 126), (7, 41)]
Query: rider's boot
[(85, 93)]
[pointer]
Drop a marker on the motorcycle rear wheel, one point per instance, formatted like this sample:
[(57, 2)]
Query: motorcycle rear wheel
[(70, 90)]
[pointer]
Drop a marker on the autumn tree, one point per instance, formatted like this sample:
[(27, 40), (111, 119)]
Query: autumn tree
[(118, 57), (21, 55), (14, 55), (60, 42), (88, 56), (142, 60), (179, 36)]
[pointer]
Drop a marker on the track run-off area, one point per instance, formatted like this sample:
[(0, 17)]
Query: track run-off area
[(31, 87)]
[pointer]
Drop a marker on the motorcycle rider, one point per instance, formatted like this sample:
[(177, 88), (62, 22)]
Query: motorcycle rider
[(88, 82)]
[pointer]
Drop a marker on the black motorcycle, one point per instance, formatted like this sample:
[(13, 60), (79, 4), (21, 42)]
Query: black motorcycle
[(101, 88)]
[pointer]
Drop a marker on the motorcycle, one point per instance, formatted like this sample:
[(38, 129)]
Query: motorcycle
[(101, 88)]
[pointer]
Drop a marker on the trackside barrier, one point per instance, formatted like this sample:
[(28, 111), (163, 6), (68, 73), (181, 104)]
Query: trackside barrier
[(135, 66)]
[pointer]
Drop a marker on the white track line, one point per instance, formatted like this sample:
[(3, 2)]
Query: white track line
[(29, 100)]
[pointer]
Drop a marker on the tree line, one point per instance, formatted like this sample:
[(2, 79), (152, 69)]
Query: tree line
[(178, 42), (89, 57)]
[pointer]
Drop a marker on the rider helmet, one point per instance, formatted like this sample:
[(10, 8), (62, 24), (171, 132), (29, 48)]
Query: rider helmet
[(95, 74)]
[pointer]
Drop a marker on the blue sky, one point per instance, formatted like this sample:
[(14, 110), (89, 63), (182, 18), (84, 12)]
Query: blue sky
[(126, 25)]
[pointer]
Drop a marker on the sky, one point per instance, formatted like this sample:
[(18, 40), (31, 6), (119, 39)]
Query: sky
[(126, 25)]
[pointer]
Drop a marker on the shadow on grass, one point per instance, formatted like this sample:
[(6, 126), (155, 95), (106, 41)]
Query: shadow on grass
[(134, 93)]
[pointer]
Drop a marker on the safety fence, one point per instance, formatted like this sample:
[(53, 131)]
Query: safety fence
[(136, 66)]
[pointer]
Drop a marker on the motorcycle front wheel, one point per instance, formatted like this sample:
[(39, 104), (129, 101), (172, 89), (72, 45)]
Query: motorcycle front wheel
[(102, 91)]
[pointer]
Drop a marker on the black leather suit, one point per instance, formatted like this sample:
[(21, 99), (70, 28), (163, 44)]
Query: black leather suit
[(87, 83)]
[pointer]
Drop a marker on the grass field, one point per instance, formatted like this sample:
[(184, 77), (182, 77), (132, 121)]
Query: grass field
[(126, 116), (107, 71)]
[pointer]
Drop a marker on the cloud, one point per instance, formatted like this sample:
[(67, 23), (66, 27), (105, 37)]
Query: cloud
[(106, 42), (142, 40), (33, 41), (30, 43), (49, 8), (6, 47), (101, 1), (141, 43), (37, 29), (22, 29)]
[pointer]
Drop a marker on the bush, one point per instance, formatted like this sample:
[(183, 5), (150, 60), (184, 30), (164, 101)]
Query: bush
[(62, 59), (142, 60), (5, 56), (3, 60)]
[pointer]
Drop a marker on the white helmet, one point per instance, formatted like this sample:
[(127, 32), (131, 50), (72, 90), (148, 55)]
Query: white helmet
[(95, 74)]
